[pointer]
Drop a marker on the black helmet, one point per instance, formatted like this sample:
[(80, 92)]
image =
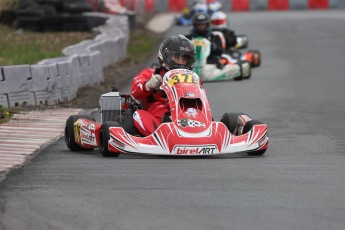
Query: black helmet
[(199, 19), (174, 48)]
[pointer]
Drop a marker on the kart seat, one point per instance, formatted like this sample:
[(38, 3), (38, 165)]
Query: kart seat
[(128, 124)]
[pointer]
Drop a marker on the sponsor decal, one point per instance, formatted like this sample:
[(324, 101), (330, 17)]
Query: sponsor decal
[(199, 43), (186, 122), (196, 150), (184, 48), (190, 94), (76, 127), (87, 137), (191, 112), (91, 126)]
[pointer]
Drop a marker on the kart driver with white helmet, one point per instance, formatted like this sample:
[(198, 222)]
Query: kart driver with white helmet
[(219, 23), (175, 52)]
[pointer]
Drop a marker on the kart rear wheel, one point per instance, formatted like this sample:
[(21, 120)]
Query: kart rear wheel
[(247, 127), (104, 137), (70, 135), (230, 120)]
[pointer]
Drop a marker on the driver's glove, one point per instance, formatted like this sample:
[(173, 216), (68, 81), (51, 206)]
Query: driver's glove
[(154, 82)]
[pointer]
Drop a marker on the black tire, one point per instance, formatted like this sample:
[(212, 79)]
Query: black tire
[(69, 132), (230, 120), (30, 13), (77, 8), (95, 21), (75, 23), (25, 4), (247, 127), (52, 23), (7, 17), (104, 137), (29, 23), (56, 4)]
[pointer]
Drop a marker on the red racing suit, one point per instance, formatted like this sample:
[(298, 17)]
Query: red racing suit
[(148, 119)]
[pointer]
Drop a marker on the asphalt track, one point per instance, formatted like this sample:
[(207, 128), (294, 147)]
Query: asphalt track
[(299, 184)]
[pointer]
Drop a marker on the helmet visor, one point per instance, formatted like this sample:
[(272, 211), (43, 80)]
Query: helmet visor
[(218, 22), (181, 59)]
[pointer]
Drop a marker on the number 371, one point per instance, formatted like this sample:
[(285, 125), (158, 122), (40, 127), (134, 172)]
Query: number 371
[(181, 78)]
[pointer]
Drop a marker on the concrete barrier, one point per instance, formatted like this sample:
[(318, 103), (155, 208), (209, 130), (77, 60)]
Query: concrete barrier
[(17, 85), (54, 80), (3, 98), (41, 84)]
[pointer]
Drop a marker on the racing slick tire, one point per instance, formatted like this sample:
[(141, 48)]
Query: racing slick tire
[(230, 120), (104, 137), (247, 127), (69, 132)]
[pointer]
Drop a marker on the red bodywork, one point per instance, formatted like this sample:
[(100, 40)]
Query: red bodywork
[(191, 132)]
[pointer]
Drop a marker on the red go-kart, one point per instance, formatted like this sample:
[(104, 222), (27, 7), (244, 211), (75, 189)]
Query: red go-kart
[(188, 131)]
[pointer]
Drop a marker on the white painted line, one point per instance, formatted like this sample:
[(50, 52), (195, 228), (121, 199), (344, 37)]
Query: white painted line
[(24, 141), (11, 162), (11, 152), (16, 146), (25, 128), (14, 157)]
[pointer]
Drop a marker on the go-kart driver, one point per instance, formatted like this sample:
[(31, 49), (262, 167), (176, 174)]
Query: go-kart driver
[(174, 52), (202, 28), (219, 22)]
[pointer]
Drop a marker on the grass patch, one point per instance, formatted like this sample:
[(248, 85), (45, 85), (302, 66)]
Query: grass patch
[(141, 45), (26, 47), (6, 114)]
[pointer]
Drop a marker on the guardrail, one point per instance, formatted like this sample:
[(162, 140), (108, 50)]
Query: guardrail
[(55, 80), (233, 5)]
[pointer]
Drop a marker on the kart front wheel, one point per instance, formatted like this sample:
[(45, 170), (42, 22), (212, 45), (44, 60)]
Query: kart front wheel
[(70, 135), (104, 137), (230, 120), (247, 127)]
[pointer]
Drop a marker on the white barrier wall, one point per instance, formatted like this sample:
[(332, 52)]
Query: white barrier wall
[(54, 80)]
